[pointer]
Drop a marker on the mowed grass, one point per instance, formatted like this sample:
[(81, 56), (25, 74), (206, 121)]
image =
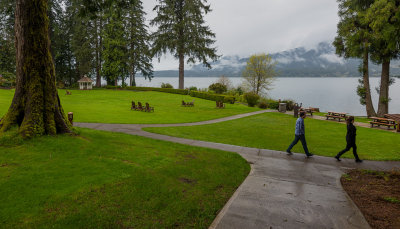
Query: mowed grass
[(113, 106), (111, 180), (276, 131)]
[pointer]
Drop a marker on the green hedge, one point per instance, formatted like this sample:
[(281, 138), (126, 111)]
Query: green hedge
[(213, 97), (197, 94), (167, 90)]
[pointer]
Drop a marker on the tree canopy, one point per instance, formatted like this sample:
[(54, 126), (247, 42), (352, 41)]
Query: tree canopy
[(183, 33), (259, 73)]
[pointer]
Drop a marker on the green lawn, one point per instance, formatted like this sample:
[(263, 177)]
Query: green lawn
[(113, 106), (276, 131), (111, 180)]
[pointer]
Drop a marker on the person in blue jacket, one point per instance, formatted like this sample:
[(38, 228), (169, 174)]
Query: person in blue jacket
[(350, 140), (300, 135)]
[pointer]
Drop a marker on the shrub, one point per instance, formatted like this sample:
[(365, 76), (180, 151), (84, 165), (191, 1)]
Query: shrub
[(166, 85), (166, 90), (112, 87), (289, 104), (272, 104), (218, 88), (192, 88), (263, 105), (251, 98), (7, 79), (213, 97)]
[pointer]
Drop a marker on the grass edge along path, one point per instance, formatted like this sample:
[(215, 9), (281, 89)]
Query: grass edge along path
[(101, 179), (275, 131)]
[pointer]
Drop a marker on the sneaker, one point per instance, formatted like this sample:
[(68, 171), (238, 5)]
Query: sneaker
[(358, 161), (337, 158), (310, 155), (289, 152)]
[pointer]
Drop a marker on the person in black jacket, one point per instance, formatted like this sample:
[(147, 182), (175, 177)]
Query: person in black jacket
[(350, 139)]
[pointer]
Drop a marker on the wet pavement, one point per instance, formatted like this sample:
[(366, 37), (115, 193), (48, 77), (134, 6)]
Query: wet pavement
[(281, 191)]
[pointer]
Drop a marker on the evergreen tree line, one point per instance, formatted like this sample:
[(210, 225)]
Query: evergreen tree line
[(113, 43), (370, 29), (110, 39)]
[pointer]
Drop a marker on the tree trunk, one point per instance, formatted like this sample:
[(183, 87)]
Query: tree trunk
[(383, 107), (132, 82), (98, 77), (101, 44), (181, 70), (369, 106), (36, 107)]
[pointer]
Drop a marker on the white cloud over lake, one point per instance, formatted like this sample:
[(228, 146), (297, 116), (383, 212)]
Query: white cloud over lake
[(254, 26)]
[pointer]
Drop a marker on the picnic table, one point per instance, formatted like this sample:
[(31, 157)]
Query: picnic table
[(335, 115), (383, 122), (307, 110), (395, 117)]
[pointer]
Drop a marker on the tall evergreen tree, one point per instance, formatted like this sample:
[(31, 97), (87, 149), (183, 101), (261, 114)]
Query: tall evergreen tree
[(61, 45), (139, 54), (82, 43), (181, 31), (36, 107), (353, 41), (7, 35), (115, 58), (383, 17)]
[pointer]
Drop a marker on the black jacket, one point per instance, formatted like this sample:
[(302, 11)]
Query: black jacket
[(351, 133)]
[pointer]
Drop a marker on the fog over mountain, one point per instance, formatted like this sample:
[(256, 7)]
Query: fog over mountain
[(300, 62)]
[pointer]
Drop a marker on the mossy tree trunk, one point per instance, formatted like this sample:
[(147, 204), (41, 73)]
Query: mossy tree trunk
[(36, 107)]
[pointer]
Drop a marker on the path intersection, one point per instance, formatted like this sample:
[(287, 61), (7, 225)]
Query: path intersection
[(281, 191)]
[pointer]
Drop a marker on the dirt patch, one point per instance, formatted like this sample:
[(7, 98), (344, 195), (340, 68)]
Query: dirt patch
[(377, 195), (187, 181)]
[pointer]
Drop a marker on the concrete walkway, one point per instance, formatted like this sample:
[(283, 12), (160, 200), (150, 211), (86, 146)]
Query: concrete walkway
[(281, 191)]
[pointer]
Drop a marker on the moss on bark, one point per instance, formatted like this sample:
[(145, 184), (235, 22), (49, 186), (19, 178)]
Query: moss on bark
[(36, 107)]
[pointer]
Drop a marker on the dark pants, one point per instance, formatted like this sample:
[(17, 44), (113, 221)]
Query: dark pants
[(302, 138), (348, 146)]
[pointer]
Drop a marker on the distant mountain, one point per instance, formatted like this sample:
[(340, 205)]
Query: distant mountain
[(300, 62)]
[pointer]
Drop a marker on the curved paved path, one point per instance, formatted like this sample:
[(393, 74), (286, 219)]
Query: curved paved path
[(281, 191)]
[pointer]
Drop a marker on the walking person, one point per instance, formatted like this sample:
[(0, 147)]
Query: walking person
[(300, 135), (350, 140)]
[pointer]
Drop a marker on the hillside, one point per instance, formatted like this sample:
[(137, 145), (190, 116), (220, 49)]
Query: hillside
[(300, 62)]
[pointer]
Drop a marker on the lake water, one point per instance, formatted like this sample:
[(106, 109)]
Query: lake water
[(336, 94)]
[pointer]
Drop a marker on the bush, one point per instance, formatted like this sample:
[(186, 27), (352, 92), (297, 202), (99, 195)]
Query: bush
[(7, 79), (213, 97), (263, 105), (113, 87), (166, 85), (272, 104), (192, 88), (251, 98), (166, 90), (289, 104), (218, 88)]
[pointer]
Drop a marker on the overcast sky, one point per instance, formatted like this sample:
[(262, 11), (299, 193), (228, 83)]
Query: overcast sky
[(245, 27)]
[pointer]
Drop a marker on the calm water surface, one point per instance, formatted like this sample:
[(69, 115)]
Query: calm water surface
[(336, 94)]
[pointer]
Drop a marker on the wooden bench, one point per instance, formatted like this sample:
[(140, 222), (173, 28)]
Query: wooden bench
[(148, 108), (383, 122), (219, 104), (335, 115), (307, 110), (188, 104), (395, 117), (133, 107)]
